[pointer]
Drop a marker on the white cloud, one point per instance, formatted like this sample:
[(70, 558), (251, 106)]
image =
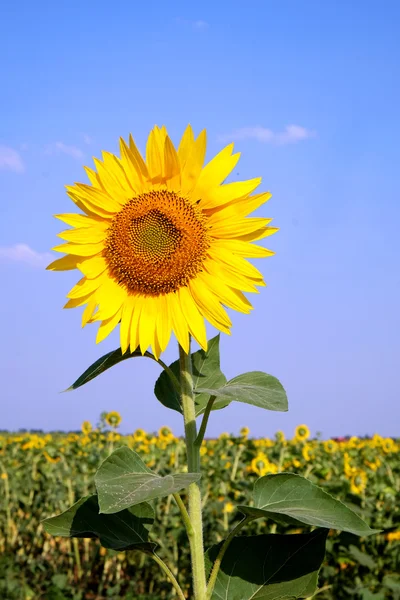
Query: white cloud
[(197, 24), (61, 148), (24, 254), (290, 135), (200, 24), (10, 160)]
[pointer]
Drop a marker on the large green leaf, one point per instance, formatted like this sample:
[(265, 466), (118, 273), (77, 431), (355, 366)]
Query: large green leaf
[(102, 364), (123, 480), (269, 567), (126, 530), (206, 373), (290, 498), (255, 387)]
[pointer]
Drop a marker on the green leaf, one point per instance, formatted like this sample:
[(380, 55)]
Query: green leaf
[(206, 373), (126, 530), (289, 498), (102, 364), (255, 387), (269, 567), (123, 480), (363, 559)]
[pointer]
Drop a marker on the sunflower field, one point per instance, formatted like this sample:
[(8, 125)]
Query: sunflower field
[(42, 474)]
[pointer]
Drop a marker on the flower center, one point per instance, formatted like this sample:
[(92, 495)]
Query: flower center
[(156, 244)]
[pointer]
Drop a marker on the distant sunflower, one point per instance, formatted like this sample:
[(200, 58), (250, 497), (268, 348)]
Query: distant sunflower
[(113, 418), (162, 243), (302, 433), (86, 427)]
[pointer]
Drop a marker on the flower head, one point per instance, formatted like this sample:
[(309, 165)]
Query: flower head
[(162, 243), (302, 433), (86, 427), (113, 418), (358, 482)]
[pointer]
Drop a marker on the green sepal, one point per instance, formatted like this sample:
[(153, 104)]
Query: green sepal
[(123, 480), (127, 530)]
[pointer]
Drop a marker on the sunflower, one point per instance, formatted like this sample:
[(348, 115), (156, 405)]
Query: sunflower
[(86, 427), (330, 446), (358, 482), (165, 434), (244, 432), (261, 465), (113, 418), (388, 445), (302, 433), (308, 452), (162, 243)]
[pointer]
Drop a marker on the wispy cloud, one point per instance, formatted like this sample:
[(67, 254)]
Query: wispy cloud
[(290, 135), (10, 160), (199, 24), (87, 139), (24, 254), (61, 148)]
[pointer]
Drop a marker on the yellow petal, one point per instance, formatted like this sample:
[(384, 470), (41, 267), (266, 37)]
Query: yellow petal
[(84, 287), (164, 325), (243, 248), (131, 167), (110, 297), (230, 191), (258, 234), (66, 263), (126, 319), (147, 324), (112, 188), (134, 334), (88, 312), (93, 178), (186, 145), (179, 324), (218, 169), (236, 263), (74, 302), (106, 327), (102, 199), (231, 228), (208, 304), (92, 267), (227, 295), (193, 318), (141, 165), (92, 210), (238, 208), (194, 163), (80, 249), (172, 167), (77, 220), (230, 276), (83, 235), (155, 154)]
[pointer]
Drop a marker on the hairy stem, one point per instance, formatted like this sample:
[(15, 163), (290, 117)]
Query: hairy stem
[(193, 458)]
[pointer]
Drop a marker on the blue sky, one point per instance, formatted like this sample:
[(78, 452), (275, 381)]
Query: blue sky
[(308, 91)]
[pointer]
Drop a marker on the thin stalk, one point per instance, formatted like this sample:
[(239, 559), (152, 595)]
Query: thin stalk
[(204, 421), (169, 372), (193, 458), (216, 566), (169, 574), (185, 515)]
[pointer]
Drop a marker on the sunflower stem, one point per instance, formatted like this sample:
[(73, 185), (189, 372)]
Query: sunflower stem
[(169, 574), (193, 458)]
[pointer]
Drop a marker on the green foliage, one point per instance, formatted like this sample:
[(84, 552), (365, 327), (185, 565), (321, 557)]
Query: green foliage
[(123, 480), (206, 373), (126, 530), (291, 499), (269, 567), (102, 364), (255, 387)]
